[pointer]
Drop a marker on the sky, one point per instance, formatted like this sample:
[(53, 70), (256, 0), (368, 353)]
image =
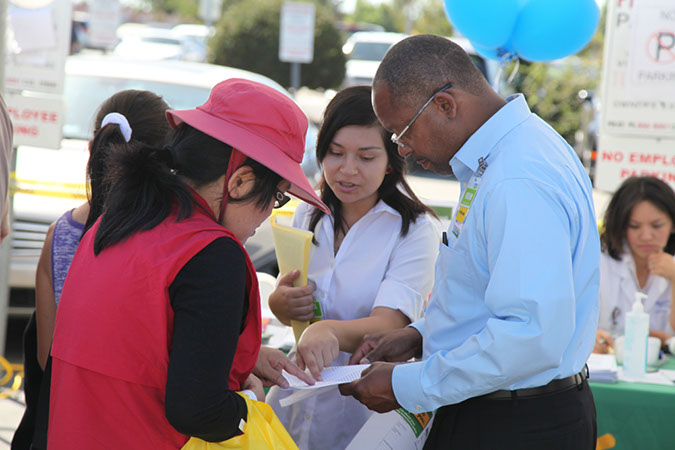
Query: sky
[(347, 6)]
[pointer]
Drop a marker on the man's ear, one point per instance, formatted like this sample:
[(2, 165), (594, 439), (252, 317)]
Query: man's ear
[(241, 182), (447, 103)]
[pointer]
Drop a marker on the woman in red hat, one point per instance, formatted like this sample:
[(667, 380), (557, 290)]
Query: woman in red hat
[(159, 320)]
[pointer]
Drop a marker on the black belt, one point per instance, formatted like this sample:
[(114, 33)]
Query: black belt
[(558, 385)]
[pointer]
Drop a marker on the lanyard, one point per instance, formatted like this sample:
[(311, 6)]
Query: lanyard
[(468, 197)]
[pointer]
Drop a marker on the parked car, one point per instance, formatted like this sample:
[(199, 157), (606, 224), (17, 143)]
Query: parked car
[(50, 182), (151, 43), (487, 67), (364, 51)]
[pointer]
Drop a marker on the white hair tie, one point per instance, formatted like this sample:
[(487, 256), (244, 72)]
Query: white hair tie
[(120, 120)]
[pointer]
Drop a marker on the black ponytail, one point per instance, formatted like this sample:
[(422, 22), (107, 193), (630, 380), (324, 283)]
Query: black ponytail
[(145, 112), (97, 188), (142, 190)]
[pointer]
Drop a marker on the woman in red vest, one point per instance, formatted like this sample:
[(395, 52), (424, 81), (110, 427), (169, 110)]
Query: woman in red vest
[(159, 321)]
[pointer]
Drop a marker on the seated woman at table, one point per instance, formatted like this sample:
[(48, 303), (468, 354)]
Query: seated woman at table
[(637, 256), (371, 263)]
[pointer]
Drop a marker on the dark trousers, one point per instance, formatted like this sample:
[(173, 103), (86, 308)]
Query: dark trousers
[(559, 421), (32, 431), (23, 436)]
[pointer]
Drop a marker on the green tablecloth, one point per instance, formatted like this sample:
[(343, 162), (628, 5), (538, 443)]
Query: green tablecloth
[(639, 416)]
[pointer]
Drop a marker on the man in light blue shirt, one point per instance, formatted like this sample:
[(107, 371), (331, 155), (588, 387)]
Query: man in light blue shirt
[(513, 313)]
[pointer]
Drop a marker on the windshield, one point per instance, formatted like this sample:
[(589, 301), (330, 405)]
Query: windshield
[(369, 51), (84, 94), (160, 40)]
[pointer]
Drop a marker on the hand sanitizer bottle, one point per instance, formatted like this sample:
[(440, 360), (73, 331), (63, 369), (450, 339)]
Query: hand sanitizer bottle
[(635, 344)]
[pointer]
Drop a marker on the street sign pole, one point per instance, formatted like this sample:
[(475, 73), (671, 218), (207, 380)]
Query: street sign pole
[(295, 77), (210, 11)]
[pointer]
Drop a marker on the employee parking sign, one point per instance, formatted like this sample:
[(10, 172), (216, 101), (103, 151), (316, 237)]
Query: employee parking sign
[(296, 34)]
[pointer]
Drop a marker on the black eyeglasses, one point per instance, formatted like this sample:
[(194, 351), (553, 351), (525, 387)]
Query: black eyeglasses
[(396, 138), (280, 199)]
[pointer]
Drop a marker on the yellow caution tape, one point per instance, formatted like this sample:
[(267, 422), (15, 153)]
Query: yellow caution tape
[(47, 188)]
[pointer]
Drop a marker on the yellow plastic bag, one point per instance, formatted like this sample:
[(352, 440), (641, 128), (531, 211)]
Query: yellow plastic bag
[(263, 430)]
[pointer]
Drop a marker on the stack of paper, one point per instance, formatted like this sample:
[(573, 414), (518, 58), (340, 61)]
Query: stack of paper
[(602, 368), (292, 247)]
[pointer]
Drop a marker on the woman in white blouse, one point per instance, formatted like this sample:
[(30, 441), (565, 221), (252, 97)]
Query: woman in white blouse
[(638, 245), (371, 263)]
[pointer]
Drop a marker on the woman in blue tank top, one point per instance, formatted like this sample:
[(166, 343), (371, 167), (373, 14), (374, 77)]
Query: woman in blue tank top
[(118, 118)]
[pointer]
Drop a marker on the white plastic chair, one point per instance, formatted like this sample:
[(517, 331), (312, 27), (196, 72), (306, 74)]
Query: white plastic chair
[(267, 284)]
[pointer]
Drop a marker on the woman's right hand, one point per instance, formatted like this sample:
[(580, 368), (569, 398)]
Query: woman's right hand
[(292, 303), (318, 347), (254, 384), (603, 342)]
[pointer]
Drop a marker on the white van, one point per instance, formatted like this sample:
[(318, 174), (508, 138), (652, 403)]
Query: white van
[(364, 51)]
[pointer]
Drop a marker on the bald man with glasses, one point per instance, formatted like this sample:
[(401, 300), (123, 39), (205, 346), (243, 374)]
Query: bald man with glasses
[(512, 317)]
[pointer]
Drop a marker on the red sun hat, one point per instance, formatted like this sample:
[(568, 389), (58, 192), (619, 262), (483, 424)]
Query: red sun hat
[(261, 123)]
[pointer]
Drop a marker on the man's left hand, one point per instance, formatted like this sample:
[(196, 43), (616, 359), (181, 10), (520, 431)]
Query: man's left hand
[(374, 388)]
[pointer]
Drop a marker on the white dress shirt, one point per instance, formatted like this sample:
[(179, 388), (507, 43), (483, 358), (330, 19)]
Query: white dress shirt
[(618, 285), (374, 267)]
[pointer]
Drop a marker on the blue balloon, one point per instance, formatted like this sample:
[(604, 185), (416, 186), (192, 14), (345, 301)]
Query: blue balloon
[(552, 29), (488, 23), (502, 53)]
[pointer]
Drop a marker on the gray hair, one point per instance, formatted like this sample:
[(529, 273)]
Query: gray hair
[(417, 66)]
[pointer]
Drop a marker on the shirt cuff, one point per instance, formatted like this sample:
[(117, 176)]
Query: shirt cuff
[(407, 387), (250, 394), (419, 326)]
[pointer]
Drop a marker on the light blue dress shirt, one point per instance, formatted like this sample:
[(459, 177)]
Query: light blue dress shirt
[(515, 297)]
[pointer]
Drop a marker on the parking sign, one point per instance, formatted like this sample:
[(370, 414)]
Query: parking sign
[(296, 33)]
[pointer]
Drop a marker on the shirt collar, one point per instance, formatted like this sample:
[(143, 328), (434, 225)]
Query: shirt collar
[(628, 263), (380, 207), (480, 144)]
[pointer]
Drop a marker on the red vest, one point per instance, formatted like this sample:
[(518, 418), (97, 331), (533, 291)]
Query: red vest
[(113, 336)]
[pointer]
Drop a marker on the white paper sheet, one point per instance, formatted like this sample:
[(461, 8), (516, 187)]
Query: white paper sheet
[(332, 376), (302, 394), (658, 377), (670, 374)]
